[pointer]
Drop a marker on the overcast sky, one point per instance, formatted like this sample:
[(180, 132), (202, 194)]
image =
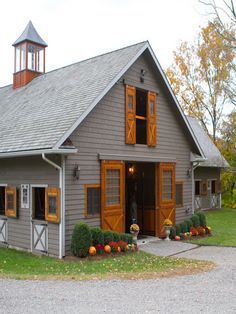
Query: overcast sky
[(75, 30)]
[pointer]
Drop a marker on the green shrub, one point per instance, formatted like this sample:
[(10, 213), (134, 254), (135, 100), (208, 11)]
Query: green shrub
[(177, 229), (108, 236), (172, 232), (189, 224), (183, 227), (129, 238), (97, 236), (116, 237), (195, 220), (202, 218), (81, 240)]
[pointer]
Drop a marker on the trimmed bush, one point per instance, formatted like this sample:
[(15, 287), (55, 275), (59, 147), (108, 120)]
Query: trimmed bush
[(183, 227), (116, 237), (202, 218), (196, 221), (177, 229), (189, 224), (129, 238), (108, 236), (81, 240), (172, 232), (97, 236)]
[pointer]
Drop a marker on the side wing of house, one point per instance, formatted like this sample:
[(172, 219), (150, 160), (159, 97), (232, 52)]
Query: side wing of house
[(25, 187), (130, 151)]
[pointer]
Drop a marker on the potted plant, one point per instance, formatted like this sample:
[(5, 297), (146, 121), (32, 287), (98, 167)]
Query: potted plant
[(167, 224), (134, 230)]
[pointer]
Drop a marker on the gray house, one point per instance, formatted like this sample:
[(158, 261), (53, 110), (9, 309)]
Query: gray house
[(84, 142), (207, 183)]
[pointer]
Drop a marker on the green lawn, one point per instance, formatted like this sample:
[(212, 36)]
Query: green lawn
[(223, 224), (21, 265)]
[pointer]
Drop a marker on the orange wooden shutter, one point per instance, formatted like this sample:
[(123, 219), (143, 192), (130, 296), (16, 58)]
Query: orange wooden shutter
[(10, 201), (130, 119), (52, 204), (151, 120)]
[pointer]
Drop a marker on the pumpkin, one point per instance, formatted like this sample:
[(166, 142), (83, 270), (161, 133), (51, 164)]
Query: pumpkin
[(118, 249), (92, 250), (177, 238), (107, 249)]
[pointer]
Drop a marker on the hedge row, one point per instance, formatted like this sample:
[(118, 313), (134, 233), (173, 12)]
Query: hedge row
[(197, 220), (84, 236)]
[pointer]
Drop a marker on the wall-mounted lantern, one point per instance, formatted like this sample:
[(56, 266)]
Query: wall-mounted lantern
[(76, 172)]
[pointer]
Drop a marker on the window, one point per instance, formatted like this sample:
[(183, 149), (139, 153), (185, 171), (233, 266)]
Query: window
[(52, 204), (204, 187), (11, 201), (179, 194), (20, 58), (38, 203), (112, 186), (197, 188), (2, 200), (92, 200), (167, 191), (140, 116), (213, 186)]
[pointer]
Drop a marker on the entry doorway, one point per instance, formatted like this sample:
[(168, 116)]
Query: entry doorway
[(140, 196)]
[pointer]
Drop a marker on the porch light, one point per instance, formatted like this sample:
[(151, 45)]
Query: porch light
[(131, 170), (76, 172)]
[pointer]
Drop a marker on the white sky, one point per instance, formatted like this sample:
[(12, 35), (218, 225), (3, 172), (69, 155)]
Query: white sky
[(75, 30)]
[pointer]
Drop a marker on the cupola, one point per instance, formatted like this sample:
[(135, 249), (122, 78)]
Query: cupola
[(29, 56)]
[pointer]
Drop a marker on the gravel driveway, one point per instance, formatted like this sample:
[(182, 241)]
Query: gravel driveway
[(213, 292)]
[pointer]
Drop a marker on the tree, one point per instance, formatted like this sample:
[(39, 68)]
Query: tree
[(201, 77), (227, 145)]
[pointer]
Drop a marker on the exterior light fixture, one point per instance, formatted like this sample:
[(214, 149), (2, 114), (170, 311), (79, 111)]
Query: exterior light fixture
[(131, 170), (142, 74), (76, 172)]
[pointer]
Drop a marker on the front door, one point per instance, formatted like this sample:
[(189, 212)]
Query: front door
[(112, 196), (165, 192)]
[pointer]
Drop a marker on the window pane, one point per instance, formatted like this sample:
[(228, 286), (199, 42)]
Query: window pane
[(39, 203), (167, 185), (112, 187), (40, 60), (93, 201), (10, 201), (23, 65), (130, 102), (179, 194), (17, 59), (31, 57), (52, 204), (213, 186)]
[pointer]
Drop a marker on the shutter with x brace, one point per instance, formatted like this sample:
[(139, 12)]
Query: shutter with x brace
[(130, 115)]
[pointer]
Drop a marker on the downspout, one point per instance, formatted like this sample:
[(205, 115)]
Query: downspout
[(61, 185), (193, 190)]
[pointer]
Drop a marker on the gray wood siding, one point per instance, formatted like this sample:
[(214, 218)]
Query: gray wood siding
[(103, 131), (28, 170), (206, 173)]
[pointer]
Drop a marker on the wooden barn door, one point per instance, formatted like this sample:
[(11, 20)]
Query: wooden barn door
[(165, 189), (112, 196)]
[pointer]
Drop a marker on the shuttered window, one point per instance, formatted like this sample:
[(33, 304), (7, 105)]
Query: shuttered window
[(130, 115), (204, 187), (151, 120), (11, 201), (52, 204), (92, 200)]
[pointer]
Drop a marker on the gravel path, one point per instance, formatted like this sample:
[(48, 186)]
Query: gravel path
[(213, 292)]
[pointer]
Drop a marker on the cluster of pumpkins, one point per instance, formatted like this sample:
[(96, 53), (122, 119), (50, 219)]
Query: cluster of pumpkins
[(107, 249)]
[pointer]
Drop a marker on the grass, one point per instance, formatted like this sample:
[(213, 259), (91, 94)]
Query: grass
[(223, 224), (22, 265)]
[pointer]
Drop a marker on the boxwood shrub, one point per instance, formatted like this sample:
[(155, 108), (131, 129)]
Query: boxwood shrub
[(97, 236), (172, 232), (108, 236), (177, 229), (81, 240), (183, 227), (195, 220), (189, 224), (116, 237), (202, 218), (126, 237)]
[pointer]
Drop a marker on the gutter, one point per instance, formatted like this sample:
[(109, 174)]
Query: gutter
[(64, 151), (61, 186)]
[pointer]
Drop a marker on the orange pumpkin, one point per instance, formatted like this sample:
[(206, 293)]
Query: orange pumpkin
[(107, 249), (92, 251), (177, 238), (118, 249)]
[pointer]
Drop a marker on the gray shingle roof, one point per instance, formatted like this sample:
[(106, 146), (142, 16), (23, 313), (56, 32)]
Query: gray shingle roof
[(37, 115), (211, 152), (30, 34)]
